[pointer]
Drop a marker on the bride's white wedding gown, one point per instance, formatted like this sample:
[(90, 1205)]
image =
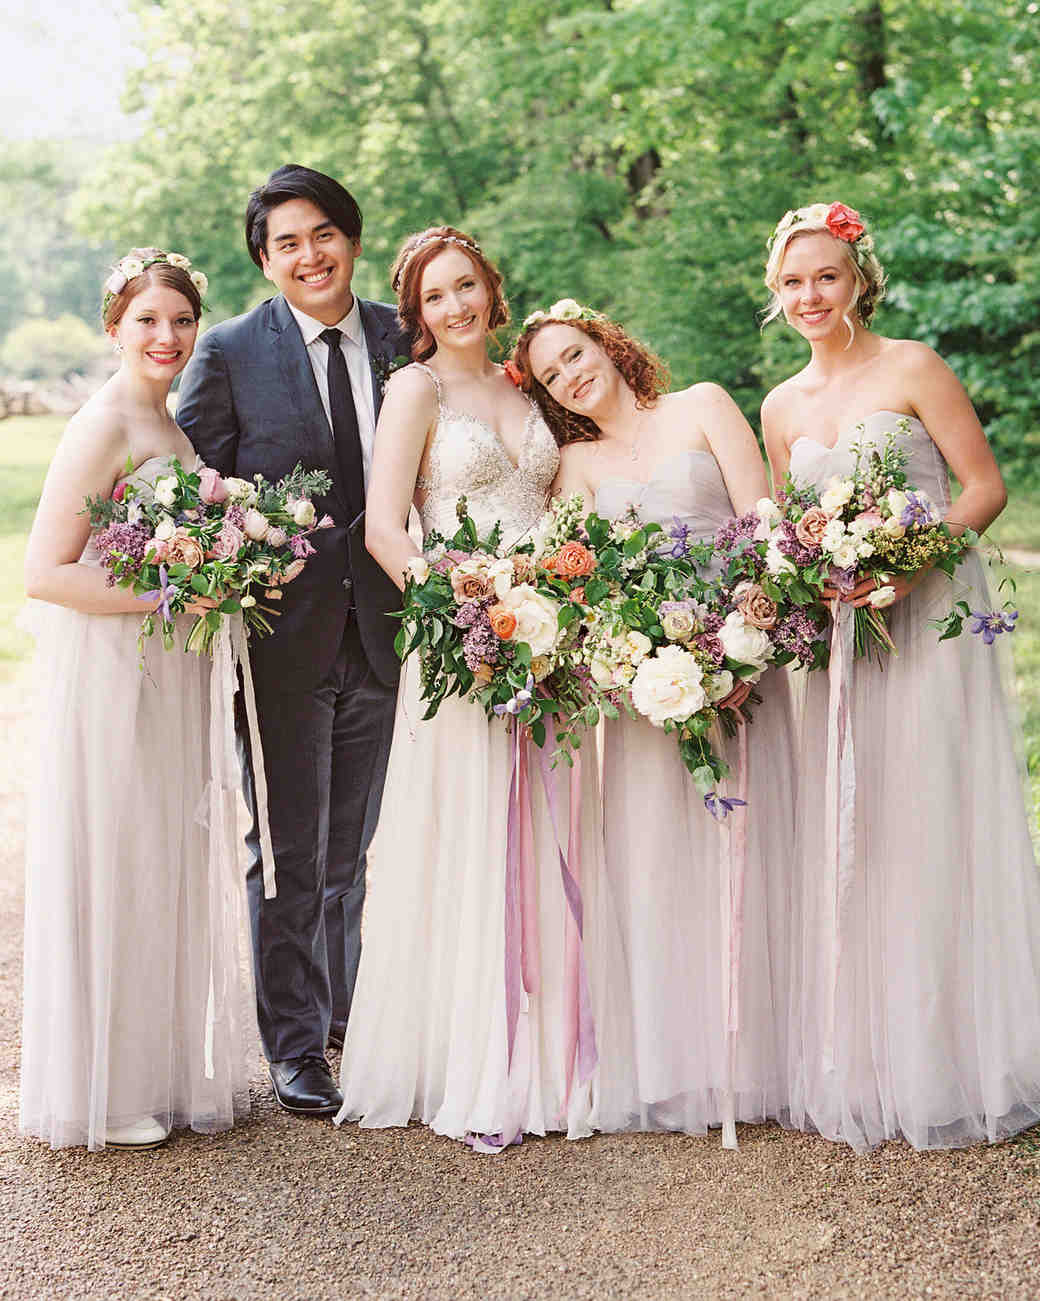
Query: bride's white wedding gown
[(134, 1005), (427, 1034)]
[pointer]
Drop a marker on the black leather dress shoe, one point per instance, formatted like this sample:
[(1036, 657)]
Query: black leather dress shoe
[(305, 1085), (336, 1034)]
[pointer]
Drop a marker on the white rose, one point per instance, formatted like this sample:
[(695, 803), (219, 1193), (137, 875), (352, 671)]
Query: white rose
[(567, 309), (131, 266), (881, 597), (165, 490), (536, 618), (718, 685), (134, 513), (865, 549), (200, 281), (834, 536), (745, 643), (501, 574), (179, 260), (859, 528), (637, 647), (256, 525), (668, 685), (303, 513), (897, 501), (768, 511), (893, 527), (165, 528), (241, 491), (777, 562), (838, 493), (417, 569), (845, 556)]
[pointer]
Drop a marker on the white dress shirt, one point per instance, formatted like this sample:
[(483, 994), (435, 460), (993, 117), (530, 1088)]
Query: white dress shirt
[(355, 353)]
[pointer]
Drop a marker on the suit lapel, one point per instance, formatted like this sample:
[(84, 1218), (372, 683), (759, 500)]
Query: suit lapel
[(377, 334), (313, 434)]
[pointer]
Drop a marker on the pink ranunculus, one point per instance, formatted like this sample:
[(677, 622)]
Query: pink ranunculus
[(456, 556), (844, 223), (119, 491), (227, 542), (871, 517), (211, 486)]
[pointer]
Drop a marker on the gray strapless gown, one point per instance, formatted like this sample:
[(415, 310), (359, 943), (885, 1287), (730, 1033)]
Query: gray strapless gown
[(914, 1008), (668, 862)]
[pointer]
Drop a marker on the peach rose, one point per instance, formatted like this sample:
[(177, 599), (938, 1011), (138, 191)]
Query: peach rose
[(844, 223), (572, 561), (470, 583), (503, 621), (182, 549), (809, 529), (757, 608)]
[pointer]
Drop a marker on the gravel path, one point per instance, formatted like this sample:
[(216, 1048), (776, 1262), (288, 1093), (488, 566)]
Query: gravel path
[(293, 1209)]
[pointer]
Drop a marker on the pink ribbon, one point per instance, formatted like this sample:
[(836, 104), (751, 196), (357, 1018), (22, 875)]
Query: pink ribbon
[(840, 813)]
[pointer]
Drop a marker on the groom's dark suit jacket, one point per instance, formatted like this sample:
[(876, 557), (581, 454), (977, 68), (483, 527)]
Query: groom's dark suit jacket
[(249, 404)]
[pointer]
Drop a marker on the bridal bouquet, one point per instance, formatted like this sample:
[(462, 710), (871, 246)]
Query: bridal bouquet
[(655, 638), (871, 524), (486, 623), (192, 533)]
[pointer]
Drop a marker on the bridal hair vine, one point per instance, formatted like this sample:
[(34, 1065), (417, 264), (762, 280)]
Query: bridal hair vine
[(566, 309), (429, 239), (130, 267), (838, 219)]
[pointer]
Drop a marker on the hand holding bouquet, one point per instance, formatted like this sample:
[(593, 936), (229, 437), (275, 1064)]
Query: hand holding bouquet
[(191, 534)]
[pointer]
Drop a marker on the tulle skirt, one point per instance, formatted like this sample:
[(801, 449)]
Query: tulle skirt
[(916, 952), (134, 1005), (427, 1037), (703, 921)]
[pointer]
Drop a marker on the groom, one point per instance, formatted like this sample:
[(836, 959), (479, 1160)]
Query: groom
[(298, 379)]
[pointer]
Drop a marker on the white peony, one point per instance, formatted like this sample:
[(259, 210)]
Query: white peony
[(718, 685), (500, 573), (833, 536), (846, 555), (165, 490), (881, 597), (669, 685), (776, 562), (536, 618), (256, 525), (837, 494), (744, 642), (417, 569), (165, 528)]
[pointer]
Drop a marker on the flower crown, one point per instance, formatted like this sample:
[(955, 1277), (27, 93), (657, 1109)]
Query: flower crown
[(130, 267), (567, 309), (841, 221), (429, 239)]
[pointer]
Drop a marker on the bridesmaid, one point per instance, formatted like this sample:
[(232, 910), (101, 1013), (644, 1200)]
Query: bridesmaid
[(916, 949), (688, 457), (133, 1009)]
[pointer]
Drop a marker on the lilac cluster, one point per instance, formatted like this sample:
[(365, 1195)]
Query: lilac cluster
[(125, 542), (235, 515), (796, 633), (736, 533), (711, 646), (479, 645), (788, 545)]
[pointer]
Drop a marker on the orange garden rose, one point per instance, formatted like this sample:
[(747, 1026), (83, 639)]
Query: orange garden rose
[(503, 621), (844, 223), (572, 561)]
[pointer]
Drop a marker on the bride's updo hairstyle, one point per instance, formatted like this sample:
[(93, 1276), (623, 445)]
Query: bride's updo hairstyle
[(846, 228), (139, 269), (406, 274), (642, 370)]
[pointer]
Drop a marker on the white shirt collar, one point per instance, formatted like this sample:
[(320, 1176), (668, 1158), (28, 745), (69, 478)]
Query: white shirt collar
[(350, 325)]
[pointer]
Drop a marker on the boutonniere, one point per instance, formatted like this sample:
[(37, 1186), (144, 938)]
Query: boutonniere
[(384, 367)]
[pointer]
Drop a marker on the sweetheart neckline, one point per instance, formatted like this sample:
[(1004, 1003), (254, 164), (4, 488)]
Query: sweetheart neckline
[(881, 411), (665, 460), (529, 421)]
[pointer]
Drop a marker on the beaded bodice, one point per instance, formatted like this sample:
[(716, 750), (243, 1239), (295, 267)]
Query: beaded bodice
[(467, 458)]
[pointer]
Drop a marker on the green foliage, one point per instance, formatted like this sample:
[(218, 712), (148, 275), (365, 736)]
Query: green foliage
[(43, 350), (634, 154)]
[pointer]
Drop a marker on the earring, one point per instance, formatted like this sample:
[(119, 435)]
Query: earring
[(116, 346)]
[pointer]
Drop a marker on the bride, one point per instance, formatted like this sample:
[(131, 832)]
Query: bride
[(427, 1035)]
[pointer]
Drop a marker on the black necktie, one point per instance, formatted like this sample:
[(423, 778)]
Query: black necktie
[(345, 429)]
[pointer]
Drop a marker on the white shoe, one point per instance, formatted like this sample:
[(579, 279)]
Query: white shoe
[(141, 1134)]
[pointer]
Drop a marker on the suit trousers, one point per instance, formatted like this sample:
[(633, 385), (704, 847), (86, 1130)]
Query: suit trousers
[(325, 756)]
